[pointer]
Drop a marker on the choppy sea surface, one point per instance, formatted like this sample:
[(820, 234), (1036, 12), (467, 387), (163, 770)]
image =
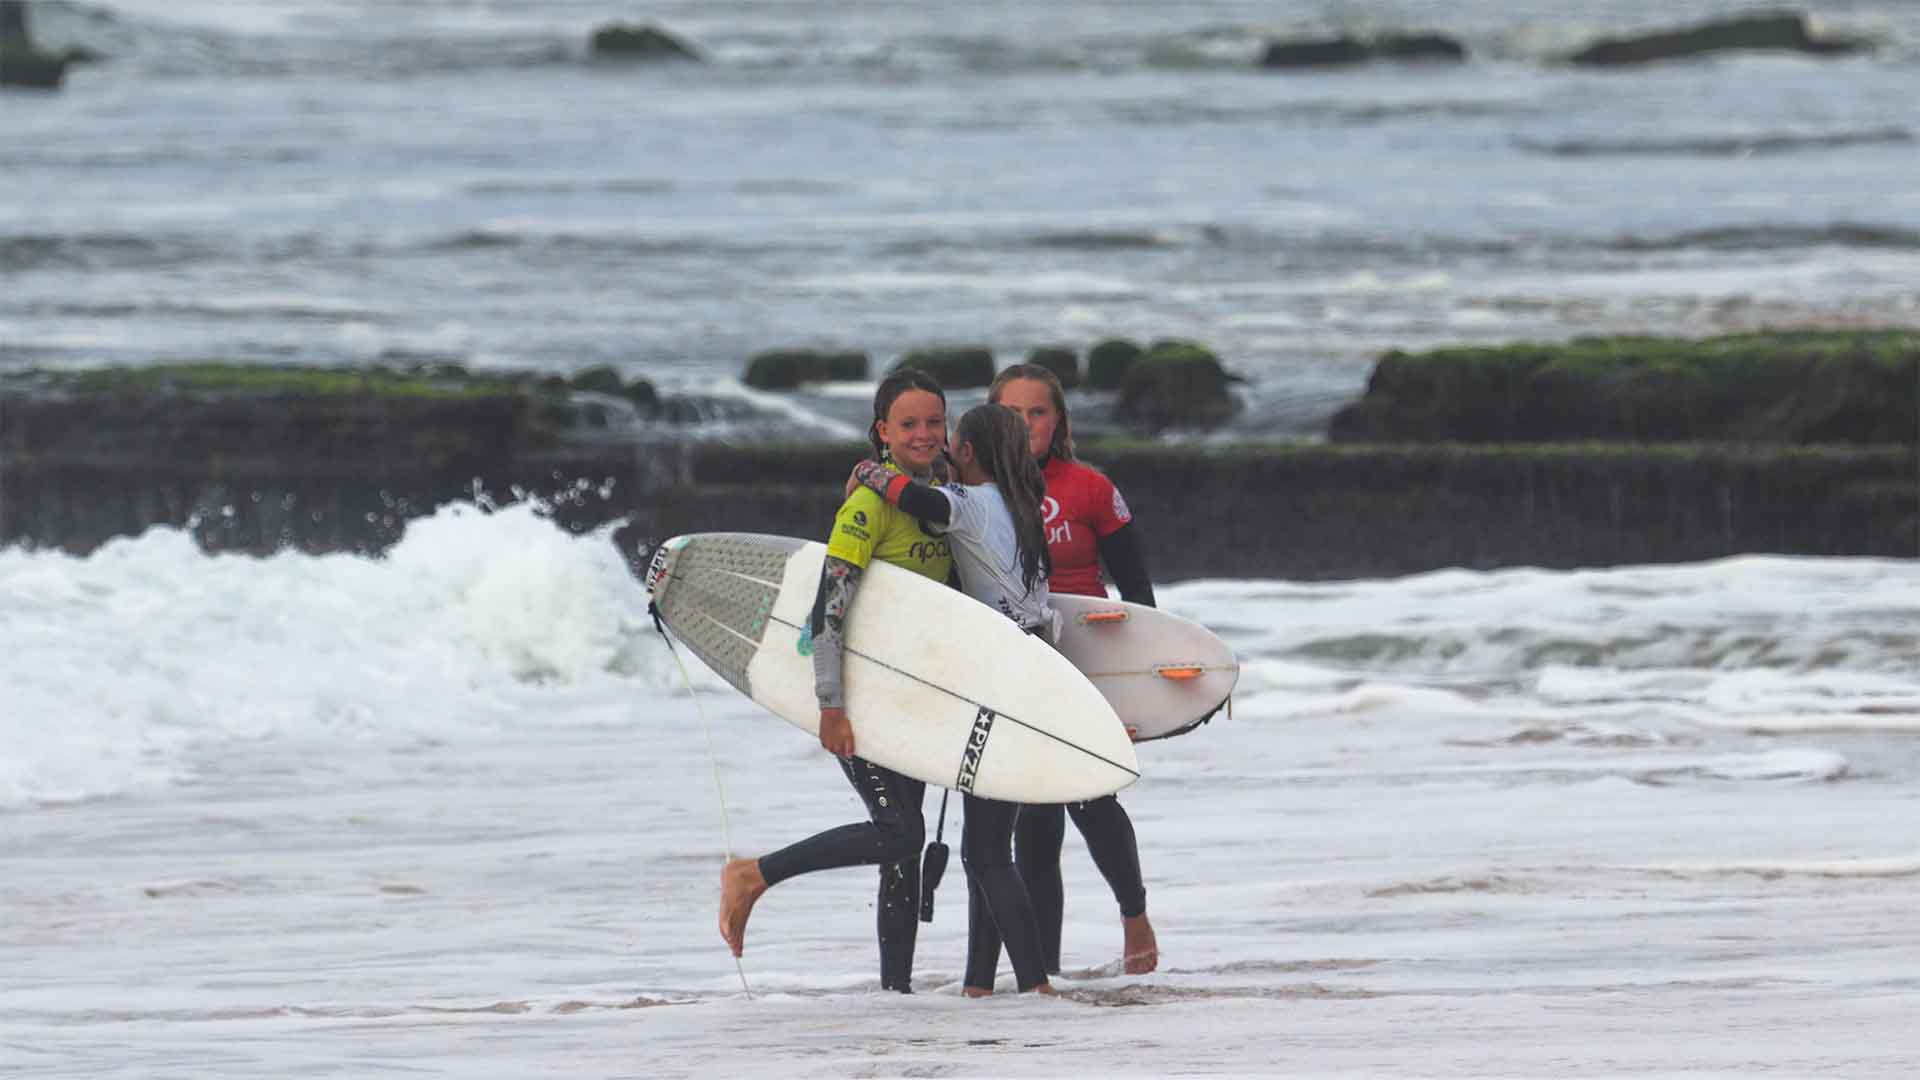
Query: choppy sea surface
[(455, 813), (298, 181)]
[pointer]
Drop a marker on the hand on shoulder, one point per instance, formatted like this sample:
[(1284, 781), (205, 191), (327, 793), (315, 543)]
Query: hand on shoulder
[(870, 474)]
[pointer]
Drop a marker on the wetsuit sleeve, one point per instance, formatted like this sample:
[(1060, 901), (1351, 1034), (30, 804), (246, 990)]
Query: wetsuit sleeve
[(902, 491), (926, 503), (839, 580), (1127, 564), (856, 530)]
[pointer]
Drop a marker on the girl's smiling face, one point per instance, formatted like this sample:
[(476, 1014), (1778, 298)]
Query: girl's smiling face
[(915, 430)]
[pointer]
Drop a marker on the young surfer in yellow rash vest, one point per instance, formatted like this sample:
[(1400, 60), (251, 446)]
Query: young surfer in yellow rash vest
[(1087, 523), (909, 432), (992, 518)]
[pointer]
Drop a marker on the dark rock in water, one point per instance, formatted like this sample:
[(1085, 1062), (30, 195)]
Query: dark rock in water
[(1346, 50), (644, 396), (957, 367), (599, 379), (1108, 362), (784, 369), (1063, 361), (1177, 384), (1320, 52), (22, 65), (260, 460), (619, 41), (1788, 387), (14, 34), (1420, 47), (32, 71), (1783, 31)]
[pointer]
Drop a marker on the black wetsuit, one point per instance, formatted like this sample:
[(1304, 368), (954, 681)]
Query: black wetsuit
[(1102, 822), (892, 839)]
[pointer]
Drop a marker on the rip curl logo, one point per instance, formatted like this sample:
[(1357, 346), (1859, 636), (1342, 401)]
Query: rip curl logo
[(1056, 534), (976, 749), (860, 518)]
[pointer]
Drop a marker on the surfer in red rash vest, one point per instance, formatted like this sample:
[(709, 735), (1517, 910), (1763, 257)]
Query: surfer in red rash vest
[(909, 432), (1087, 523)]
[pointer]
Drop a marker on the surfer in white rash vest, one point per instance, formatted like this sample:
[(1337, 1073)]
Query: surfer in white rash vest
[(910, 431), (1087, 523), (992, 518)]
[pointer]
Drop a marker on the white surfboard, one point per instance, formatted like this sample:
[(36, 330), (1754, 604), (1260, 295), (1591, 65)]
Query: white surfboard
[(939, 686), (1164, 675)]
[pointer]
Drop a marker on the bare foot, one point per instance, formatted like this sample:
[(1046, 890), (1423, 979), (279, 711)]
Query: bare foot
[(1045, 988), (740, 885), (977, 991), (1142, 952)]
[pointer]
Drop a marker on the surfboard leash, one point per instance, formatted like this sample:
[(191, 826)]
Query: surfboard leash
[(726, 829), (933, 865)]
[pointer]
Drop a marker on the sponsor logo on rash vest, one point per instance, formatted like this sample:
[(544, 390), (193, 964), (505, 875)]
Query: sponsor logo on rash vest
[(1050, 509), (976, 746)]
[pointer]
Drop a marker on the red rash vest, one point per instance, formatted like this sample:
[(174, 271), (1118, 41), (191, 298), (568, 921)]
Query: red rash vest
[(1081, 507)]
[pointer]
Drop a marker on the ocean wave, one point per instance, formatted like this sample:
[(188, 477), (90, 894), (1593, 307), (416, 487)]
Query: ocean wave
[(1748, 638), (240, 308), (881, 247), (1779, 142), (568, 242), (1766, 236), (98, 250), (615, 186)]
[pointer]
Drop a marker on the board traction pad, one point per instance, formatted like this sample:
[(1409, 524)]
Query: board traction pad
[(719, 593)]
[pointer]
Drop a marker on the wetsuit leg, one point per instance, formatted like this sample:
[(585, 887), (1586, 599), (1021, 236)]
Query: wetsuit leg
[(1110, 840), (986, 849), (983, 938), (897, 913), (891, 840), (1036, 854), (894, 834)]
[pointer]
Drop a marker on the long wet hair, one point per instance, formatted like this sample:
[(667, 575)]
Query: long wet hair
[(999, 440), (1062, 445), (889, 390)]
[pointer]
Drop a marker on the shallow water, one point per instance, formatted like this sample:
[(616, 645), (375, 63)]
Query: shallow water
[(453, 814)]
